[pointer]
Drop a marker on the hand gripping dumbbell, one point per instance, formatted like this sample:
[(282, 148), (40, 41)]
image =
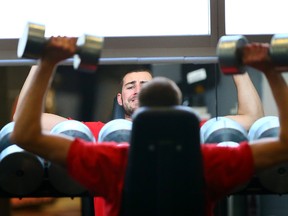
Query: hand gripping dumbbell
[(21, 172), (58, 176), (87, 55), (229, 52), (275, 178)]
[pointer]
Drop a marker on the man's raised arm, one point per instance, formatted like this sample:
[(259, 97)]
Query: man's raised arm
[(270, 151), (27, 131), (249, 103), (48, 120)]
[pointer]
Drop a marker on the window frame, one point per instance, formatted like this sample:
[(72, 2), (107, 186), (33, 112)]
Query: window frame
[(162, 46)]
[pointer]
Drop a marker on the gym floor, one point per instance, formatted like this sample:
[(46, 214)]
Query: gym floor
[(56, 207)]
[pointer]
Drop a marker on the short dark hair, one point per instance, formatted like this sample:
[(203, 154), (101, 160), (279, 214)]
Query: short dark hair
[(160, 91), (135, 68)]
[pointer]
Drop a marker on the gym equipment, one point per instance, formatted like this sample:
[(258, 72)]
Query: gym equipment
[(33, 42), (73, 128), (57, 175), (274, 179), (164, 172), (267, 126), (118, 130), (229, 52), (223, 131), (118, 111), (21, 172), (279, 49)]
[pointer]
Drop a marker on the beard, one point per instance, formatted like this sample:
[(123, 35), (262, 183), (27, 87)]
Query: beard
[(130, 107)]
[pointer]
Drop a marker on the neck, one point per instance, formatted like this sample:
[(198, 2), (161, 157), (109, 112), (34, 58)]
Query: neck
[(128, 117)]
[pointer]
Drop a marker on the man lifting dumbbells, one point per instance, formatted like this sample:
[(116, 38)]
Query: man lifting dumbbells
[(103, 178), (131, 85), (249, 103)]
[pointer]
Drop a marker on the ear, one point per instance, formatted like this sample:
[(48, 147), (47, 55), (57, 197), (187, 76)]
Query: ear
[(119, 99)]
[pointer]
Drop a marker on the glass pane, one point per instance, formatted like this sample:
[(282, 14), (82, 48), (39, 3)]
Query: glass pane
[(107, 18), (256, 16)]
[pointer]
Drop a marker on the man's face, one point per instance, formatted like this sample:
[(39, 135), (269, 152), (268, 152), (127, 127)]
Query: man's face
[(132, 83)]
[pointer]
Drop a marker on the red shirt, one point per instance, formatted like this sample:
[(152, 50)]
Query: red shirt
[(95, 127), (103, 168), (99, 202)]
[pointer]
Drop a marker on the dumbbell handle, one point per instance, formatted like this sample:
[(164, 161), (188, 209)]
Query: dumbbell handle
[(277, 51)]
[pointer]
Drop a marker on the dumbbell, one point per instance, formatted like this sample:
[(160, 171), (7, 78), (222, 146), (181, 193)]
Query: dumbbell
[(58, 176), (33, 42), (73, 128), (223, 131), (273, 179), (21, 172), (229, 51), (117, 130), (267, 126)]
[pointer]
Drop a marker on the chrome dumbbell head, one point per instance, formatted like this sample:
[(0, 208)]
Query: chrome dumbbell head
[(229, 52), (4, 136), (118, 130), (267, 126), (279, 49), (21, 172), (223, 131), (73, 128)]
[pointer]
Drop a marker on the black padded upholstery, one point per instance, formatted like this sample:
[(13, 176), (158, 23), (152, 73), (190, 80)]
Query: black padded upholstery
[(117, 110), (164, 173)]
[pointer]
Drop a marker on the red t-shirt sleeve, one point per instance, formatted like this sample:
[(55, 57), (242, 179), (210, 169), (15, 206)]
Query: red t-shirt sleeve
[(226, 168), (98, 166)]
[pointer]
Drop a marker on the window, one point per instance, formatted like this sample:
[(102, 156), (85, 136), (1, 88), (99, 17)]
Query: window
[(254, 17), (131, 28), (108, 18)]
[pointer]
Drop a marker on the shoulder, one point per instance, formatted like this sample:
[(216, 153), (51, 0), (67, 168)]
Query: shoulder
[(227, 153), (83, 149), (227, 167), (86, 160)]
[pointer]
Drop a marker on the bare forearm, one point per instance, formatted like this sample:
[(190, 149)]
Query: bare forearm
[(272, 151), (48, 120), (31, 103), (249, 104), (279, 90), (27, 131), (24, 90)]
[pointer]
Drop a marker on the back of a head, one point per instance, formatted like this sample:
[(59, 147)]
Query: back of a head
[(160, 91)]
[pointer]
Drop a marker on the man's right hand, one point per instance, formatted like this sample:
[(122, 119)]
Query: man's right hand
[(257, 55), (58, 49)]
